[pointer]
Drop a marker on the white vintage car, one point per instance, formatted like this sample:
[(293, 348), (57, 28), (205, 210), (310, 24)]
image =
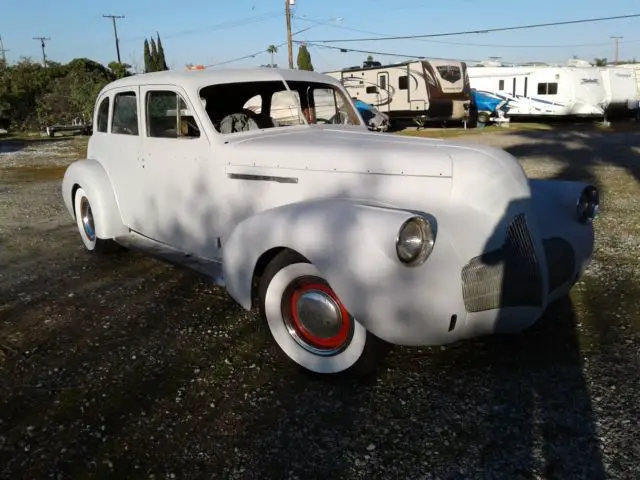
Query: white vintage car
[(344, 239)]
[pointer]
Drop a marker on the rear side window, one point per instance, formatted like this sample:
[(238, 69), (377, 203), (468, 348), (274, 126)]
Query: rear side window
[(103, 116), (125, 114)]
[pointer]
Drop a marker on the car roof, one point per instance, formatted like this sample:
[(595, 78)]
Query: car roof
[(196, 79)]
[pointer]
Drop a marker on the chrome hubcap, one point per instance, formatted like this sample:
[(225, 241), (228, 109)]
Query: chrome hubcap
[(319, 314), (87, 219)]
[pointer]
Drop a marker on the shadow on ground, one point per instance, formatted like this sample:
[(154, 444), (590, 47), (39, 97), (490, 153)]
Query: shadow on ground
[(128, 368)]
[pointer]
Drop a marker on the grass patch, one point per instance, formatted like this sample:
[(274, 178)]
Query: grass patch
[(31, 174)]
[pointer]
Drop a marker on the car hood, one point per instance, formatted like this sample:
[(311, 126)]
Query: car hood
[(340, 150)]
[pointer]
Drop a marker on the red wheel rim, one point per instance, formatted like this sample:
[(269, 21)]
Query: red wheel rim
[(325, 343)]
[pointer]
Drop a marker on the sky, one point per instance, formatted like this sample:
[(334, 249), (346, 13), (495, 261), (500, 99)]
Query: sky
[(210, 32)]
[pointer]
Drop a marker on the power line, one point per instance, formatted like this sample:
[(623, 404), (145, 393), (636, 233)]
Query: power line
[(115, 31), (371, 52), (42, 44), (255, 54), (486, 30), (464, 44)]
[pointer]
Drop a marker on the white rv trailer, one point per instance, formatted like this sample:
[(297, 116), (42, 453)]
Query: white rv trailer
[(621, 88), (543, 90), (421, 90), (635, 68)]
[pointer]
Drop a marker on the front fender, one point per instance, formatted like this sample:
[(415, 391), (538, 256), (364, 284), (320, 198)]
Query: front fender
[(353, 244), (555, 205), (335, 235), (93, 179)]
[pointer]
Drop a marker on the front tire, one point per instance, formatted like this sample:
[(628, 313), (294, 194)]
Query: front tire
[(310, 324), (87, 228)]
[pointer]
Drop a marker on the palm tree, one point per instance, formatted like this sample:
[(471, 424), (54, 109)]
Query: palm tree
[(272, 49)]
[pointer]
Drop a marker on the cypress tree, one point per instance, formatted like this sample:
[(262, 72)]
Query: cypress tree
[(304, 59), (147, 57), (154, 56), (162, 63)]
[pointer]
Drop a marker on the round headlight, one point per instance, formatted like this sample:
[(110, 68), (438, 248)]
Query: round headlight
[(415, 241), (588, 204)]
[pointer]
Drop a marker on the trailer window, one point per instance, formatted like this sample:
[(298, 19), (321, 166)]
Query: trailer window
[(103, 115), (403, 82), (548, 88), (501, 85), (372, 89)]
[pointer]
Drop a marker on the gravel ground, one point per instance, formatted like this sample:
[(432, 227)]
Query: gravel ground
[(128, 368)]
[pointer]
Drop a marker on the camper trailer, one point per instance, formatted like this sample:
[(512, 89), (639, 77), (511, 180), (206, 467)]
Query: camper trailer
[(543, 90), (621, 92), (420, 91)]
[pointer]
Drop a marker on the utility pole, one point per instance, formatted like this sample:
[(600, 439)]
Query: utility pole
[(617, 40), (115, 32), (44, 56), (287, 7), (3, 51)]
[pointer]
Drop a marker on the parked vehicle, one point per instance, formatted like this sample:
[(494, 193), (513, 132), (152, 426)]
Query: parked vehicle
[(374, 118), (534, 91), (622, 97), (419, 91), (489, 107), (344, 239)]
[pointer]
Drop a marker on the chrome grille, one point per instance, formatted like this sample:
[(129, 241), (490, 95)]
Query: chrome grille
[(507, 277)]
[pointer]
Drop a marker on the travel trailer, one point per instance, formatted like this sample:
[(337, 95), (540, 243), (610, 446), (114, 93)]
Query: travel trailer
[(635, 69), (543, 90), (420, 91), (621, 89)]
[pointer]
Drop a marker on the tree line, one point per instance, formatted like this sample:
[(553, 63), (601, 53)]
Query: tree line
[(33, 95)]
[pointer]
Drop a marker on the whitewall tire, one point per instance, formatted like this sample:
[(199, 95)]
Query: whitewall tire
[(308, 321), (87, 227)]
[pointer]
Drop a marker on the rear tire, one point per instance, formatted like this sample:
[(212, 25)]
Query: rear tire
[(87, 228), (310, 324)]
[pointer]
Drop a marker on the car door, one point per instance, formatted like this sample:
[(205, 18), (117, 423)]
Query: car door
[(122, 148), (179, 208)]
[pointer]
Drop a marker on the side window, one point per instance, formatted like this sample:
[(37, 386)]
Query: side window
[(501, 85), (403, 82), (125, 114), (548, 88), (168, 116), (103, 116), (372, 89)]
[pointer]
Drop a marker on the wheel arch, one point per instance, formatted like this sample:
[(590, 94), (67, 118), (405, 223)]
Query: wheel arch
[(261, 264), (93, 179)]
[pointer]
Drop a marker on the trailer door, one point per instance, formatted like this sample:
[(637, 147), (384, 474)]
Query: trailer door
[(384, 94)]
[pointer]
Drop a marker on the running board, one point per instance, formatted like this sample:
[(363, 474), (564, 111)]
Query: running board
[(210, 269)]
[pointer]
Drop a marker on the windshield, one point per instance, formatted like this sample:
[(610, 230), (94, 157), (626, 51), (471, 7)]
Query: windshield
[(238, 107)]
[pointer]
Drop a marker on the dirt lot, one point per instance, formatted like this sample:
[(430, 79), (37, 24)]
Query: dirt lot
[(126, 367)]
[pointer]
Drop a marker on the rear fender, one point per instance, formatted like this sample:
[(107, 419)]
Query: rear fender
[(92, 178)]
